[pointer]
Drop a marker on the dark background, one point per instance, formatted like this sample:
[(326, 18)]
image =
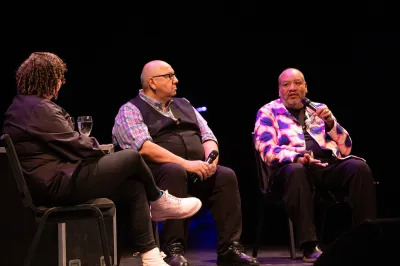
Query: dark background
[(233, 71)]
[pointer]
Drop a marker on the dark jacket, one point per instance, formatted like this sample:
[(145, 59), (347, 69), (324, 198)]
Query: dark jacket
[(47, 146)]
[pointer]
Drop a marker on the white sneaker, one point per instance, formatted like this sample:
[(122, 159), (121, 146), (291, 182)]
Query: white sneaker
[(153, 258), (170, 207)]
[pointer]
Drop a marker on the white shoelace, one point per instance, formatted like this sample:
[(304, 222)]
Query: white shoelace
[(172, 198)]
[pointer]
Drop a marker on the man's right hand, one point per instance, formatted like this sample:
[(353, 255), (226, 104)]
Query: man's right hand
[(155, 153), (200, 168)]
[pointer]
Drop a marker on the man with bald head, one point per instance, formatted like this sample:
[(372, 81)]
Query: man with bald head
[(174, 139), (307, 149)]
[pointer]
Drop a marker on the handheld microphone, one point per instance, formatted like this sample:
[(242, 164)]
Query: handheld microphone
[(312, 106), (308, 103), (211, 157)]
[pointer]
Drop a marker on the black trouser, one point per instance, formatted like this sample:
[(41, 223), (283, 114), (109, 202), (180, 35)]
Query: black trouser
[(125, 178), (219, 193), (351, 179)]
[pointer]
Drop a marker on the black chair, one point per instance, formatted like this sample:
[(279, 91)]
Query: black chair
[(324, 199), (57, 214), (266, 198)]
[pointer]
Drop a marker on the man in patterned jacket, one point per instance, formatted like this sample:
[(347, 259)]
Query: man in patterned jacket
[(306, 149)]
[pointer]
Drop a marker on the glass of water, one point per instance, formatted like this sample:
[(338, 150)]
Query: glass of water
[(85, 124), (72, 122)]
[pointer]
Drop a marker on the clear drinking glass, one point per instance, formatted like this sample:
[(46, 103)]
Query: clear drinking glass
[(72, 122), (85, 124)]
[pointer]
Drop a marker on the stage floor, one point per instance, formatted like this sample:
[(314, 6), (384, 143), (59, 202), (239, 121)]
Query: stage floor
[(207, 257)]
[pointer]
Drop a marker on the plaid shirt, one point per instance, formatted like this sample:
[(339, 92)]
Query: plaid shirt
[(130, 131), (279, 136)]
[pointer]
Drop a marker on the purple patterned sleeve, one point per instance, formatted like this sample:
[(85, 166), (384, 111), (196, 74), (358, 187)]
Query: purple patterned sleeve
[(205, 131), (267, 140), (129, 129)]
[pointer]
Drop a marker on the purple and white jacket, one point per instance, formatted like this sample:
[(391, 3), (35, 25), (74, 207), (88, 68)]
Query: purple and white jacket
[(279, 136)]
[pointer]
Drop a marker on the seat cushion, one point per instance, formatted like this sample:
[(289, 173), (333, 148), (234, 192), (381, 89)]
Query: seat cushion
[(106, 206)]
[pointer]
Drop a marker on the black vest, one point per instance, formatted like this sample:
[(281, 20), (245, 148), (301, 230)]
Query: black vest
[(181, 137)]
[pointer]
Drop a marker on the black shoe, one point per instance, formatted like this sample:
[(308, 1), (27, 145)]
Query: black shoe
[(234, 256), (175, 256)]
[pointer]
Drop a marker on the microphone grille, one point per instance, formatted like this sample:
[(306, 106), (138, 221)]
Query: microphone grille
[(305, 101), (213, 154)]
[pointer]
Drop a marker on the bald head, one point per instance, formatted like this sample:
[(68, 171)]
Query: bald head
[(159, 81), (151, 69), (289, 72)]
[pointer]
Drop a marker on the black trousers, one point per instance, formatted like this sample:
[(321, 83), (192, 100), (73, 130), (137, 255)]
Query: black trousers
[(125, 178), (350, 179), (219, 193)]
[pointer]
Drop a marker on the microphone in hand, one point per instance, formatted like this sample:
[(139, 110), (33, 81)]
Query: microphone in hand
[(210, 159), (312, 106), (212, 156), (309, 104)]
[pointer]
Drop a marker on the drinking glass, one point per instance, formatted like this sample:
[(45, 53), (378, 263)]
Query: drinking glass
[(85, 124), (72, 122)]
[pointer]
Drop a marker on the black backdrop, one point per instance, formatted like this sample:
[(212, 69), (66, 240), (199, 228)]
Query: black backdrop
[(233, 73)]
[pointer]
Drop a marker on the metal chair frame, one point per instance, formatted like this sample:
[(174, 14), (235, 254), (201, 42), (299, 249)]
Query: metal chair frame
[(59, 214)]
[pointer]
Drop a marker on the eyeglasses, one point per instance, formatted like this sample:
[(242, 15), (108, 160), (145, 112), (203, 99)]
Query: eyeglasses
[(169, 75)]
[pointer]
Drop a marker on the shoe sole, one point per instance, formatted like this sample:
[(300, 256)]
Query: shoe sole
[(193, 212)]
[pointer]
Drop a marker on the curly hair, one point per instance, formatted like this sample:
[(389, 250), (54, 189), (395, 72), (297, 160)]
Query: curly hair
[(40, 74)]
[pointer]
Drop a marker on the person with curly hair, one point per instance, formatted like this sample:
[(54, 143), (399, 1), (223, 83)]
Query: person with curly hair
[(62, 166)]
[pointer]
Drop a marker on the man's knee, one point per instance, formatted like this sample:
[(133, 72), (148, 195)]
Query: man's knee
[(360, 165), (362, 169), (227, 176)]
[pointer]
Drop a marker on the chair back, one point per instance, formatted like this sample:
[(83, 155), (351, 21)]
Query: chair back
[(263, 171), (17, 172)]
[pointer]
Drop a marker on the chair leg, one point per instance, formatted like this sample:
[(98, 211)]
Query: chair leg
[(103, 234), (291, 236), (260, 223), (35, 242), (116, 262)]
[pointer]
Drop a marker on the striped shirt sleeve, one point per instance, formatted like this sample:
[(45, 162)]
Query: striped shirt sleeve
[(205, 131)]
